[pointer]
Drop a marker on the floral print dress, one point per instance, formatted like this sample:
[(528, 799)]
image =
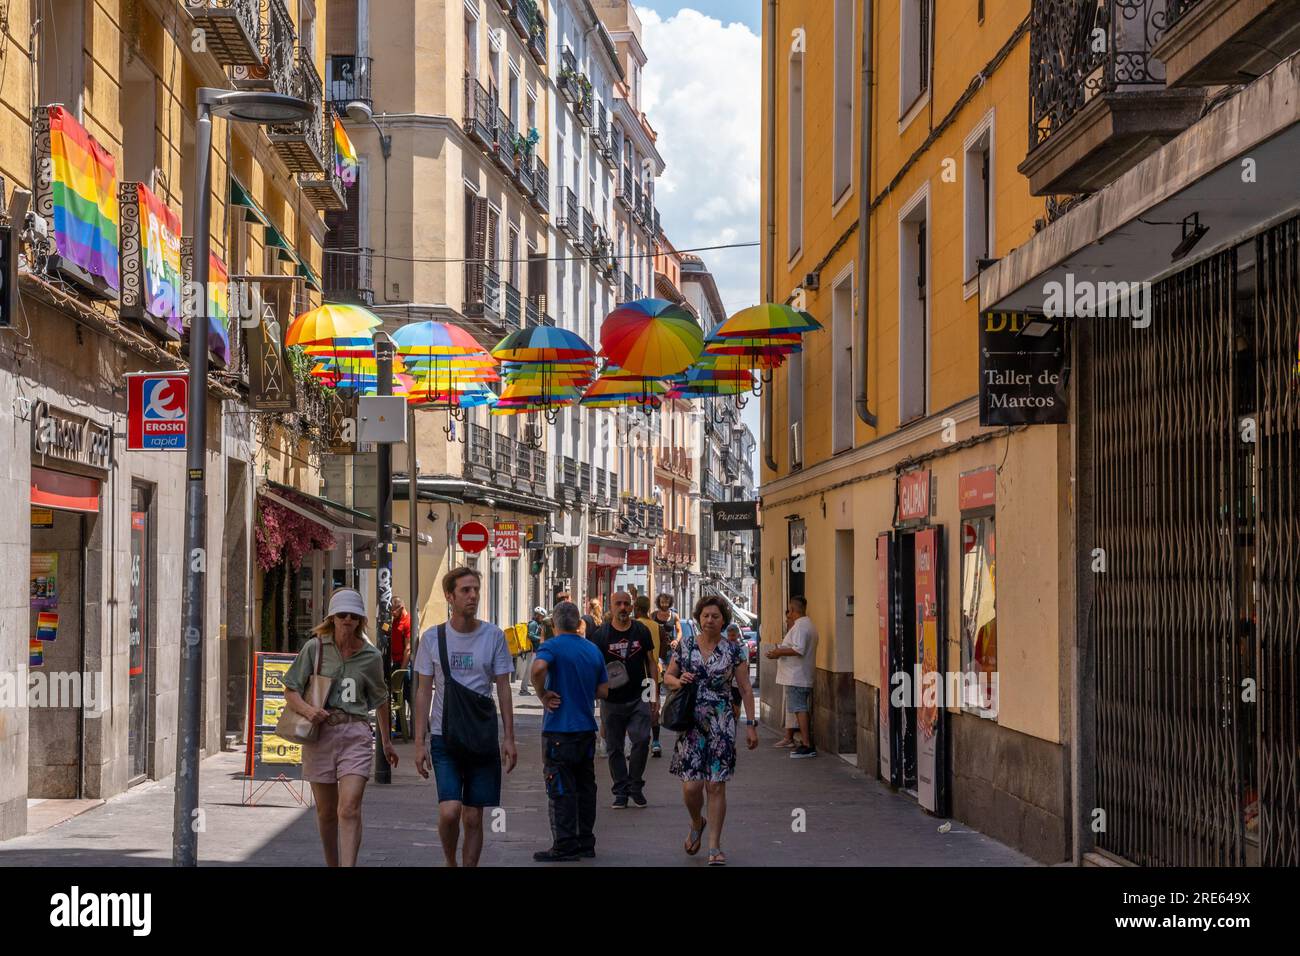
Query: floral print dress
[(708, 752)]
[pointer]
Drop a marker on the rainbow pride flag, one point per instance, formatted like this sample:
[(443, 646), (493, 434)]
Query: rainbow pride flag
[(84, 188), (35, 653), (47, 625), (160, 235), (345, 156), (218, 308)]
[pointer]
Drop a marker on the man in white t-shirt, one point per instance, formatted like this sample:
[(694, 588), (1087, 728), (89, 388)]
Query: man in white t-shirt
[(479, 659), (796, 658)]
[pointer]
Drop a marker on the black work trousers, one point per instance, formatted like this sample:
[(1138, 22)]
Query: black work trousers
[(569, 762)]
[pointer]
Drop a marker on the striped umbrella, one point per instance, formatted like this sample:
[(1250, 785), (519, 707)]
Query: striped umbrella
[(653, 338)]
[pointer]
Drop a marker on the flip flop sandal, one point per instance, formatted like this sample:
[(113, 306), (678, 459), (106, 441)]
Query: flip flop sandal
[(695, 838), (717, 857)]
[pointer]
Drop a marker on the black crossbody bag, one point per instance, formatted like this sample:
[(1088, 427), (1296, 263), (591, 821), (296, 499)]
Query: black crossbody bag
[(678, 710), (469, 719)]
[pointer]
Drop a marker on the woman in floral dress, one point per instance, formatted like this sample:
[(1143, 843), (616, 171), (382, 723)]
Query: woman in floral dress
[(705, 756)]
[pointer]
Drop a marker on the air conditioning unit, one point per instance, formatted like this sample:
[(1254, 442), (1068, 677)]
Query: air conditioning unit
[(796, 445), (812, 281)]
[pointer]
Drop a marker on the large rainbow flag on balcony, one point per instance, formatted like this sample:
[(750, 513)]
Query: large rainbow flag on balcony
[(218, 309), (345, 156), (84, 193), (160, 235)]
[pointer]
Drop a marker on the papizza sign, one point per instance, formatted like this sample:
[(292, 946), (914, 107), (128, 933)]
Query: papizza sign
[(157, 411)]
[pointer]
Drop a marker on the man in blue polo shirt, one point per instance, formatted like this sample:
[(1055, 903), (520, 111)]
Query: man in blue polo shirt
[(568, 675)]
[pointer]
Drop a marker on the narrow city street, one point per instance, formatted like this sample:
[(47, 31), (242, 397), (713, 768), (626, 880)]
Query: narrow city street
[(850, 820)]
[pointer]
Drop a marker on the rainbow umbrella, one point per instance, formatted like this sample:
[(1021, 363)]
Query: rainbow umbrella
[(542, 343), (768, 319), (331, 321), (435, 338), (652, 338)]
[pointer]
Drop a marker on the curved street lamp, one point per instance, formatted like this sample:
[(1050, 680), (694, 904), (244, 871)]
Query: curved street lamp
[(237, 106)]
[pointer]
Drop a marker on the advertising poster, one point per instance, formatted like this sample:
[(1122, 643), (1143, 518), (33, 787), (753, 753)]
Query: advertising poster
[(506, 540), (47, 625), (42, 518), (43, 584), (929, 655), (268, 757), (35, 653), (883, 614)]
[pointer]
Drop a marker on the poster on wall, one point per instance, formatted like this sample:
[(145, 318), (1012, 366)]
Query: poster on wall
[(884, 613), (43, 583), (47, 625), (929, 655), (35, 653)]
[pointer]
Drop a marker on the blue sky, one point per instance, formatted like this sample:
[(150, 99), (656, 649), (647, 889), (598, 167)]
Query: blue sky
[(748, 12)]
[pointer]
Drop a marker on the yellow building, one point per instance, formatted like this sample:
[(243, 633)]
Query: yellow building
[(882, 494), (106, 90)]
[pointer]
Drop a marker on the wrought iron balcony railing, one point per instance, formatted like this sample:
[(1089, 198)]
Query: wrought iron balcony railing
[(1080, 49), (232, 29), (302, 144), (347, 80), (587, 108), (537, 37), (513, 307), (627, 288), (524, 173), (569, 221), (571, 85), (541, 197), (522, 13), (625, 189), (584, 478), (506, 154), (478, 446), (274, 66), (482, 290), (1175, 10), (588, 242), (503, 460), (347, 277), (480, 115), (638, 206)]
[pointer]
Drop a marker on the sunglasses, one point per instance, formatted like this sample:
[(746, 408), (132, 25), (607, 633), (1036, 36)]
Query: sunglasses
[(345, 616)]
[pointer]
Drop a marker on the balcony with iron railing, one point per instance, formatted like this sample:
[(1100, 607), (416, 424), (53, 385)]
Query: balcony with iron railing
[(478, 452), (587, 108), (571, 80), (627, 288), (584, 478), (503, 460), (480, 115), (638, 207), (514, 313), (601, 493), (325, 190), (600, 134), (713, 490), (1225, 42), (482, 291), (1097, 98), (535, 313), (277, 41), (537, 36), (524, 171), (521, 15), (231, 29), (541, 195), (570, 221), (507, 143), (347, 80), (346, 276), (588, 242), (301, 145), (625, 189), (569, 487)]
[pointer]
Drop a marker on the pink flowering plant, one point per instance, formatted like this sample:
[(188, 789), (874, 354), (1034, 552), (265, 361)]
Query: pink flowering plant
[(286, 536)]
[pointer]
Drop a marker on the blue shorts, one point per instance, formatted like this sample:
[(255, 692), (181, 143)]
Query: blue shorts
[(798, 700), (472, 783)]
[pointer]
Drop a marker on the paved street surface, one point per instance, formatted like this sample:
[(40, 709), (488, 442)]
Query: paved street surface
[(850, 820)]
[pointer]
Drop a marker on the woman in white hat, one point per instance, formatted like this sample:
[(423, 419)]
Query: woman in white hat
[(338, 763)]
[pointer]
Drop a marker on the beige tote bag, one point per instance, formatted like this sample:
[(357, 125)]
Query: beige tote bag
[(292, 725)]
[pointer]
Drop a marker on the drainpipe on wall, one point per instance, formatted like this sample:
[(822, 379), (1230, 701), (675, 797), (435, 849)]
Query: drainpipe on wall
[(769, 211), (864, 221)]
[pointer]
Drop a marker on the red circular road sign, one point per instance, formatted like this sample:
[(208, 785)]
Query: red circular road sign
[(968, 538), (472, 537)]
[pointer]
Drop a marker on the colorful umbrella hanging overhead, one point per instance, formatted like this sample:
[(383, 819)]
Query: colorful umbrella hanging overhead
[(765, 320), (545, 369), (331, 321), (652, 338)]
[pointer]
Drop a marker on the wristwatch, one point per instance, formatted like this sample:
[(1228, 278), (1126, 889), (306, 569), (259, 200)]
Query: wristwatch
[(750, 723)]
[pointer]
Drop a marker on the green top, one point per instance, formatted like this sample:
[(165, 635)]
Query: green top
[(359, 686)]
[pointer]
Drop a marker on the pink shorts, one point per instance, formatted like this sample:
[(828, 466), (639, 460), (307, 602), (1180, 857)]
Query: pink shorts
[(341, 749)]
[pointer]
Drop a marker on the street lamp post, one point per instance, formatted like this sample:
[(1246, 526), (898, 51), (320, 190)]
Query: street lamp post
[(235, 106), (384, 349)]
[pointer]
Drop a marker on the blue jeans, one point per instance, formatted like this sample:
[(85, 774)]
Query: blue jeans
[(474, 783)]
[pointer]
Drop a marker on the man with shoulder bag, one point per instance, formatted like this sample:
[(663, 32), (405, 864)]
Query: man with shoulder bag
[(456, 728), (629, 652)]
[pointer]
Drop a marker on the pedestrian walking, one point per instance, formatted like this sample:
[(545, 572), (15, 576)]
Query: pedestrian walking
[(456, 727), (628, 711), (705, 756), (338, 762), (534, 640), (795, 657), (568, 675), (643, 618)]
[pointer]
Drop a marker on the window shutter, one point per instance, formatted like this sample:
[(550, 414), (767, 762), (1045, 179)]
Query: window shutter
[(476, 245), (537, 279)]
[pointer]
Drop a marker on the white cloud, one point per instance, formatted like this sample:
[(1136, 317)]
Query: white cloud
[(702, 91)]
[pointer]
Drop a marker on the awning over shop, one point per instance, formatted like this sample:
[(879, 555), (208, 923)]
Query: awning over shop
[(56, 489), (306, 271), (338, 518), (1234, 170), (239, 197), (739, 615)]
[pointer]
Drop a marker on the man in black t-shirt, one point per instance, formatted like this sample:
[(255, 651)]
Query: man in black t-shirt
[(628, 711)]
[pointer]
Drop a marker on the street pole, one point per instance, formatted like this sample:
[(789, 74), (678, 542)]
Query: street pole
[(413, 498), (185, 835), (384, 536)]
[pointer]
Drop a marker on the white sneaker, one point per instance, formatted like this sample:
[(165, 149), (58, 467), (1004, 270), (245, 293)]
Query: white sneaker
[(600, 747)]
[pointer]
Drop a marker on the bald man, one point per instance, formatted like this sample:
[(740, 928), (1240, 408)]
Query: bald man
[(629, 653)]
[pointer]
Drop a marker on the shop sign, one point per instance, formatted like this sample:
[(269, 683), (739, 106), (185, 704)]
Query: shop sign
[(1022, 377), (42, 518), (638, 558), (506, 539), (157, 411), (977, 489), (735, 515), (70, 437), (914, 496)]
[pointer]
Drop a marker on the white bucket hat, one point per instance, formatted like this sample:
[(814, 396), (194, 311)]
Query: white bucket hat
[(347, 601)]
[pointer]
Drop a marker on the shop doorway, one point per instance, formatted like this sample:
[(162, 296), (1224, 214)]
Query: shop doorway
[(139, 671), (56, 729)]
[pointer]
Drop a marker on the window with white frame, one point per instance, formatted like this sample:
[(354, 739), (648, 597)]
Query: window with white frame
[(978, 179), (914, 52), (61, 60), (842, 365), (471, 47), (914, 309), (842, 172), (794, 137)]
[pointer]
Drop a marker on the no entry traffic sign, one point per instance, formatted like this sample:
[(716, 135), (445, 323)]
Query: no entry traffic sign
[(472, 537)]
